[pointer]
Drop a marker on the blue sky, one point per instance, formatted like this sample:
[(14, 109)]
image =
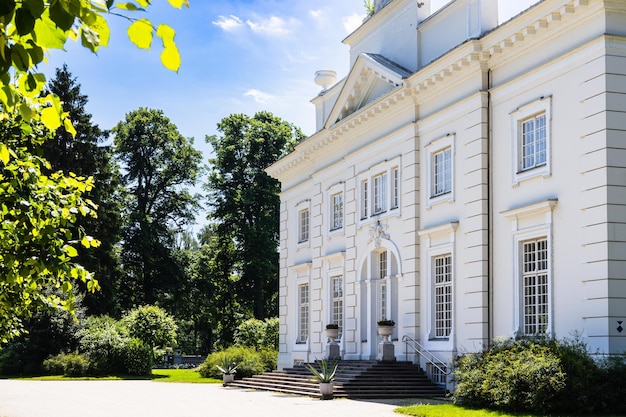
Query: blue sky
[(238, 56)]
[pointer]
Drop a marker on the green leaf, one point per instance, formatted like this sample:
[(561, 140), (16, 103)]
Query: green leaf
[(51, 118), (140, 33), (36, 7), (7, 7), (69, 127), (170, 57), (24, 21), (179, 3), (48, 34), (89, 39), (4, 154), (20, 57), (128, 6), (102, 27), (60, 16), (70, 251)]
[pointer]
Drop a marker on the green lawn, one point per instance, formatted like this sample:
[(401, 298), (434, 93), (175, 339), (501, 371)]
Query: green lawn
[(451, 410), (158, 375), (182, 375)]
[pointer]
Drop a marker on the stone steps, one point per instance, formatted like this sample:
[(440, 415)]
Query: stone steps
[(355, 379)]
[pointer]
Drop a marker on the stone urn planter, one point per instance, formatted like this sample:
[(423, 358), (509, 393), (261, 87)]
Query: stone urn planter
[(385, 328), (332, 331)]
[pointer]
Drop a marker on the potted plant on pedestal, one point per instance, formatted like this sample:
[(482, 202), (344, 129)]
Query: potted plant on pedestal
[(332, 331), (385, 328), (228, 369), (325, 375)]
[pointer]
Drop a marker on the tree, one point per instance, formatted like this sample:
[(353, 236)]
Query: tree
[(84, 155), (159, 164), (245, 203), (37, 238)]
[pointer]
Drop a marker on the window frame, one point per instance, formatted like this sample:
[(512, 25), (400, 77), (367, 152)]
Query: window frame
[(380, 191), (442, 326), (441, 145), (304, 319), (336, 211), (337, 302), (540, 316), (304, 231), (541, 107)]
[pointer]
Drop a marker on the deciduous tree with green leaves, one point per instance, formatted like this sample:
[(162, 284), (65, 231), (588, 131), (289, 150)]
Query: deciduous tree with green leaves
[(38, 209), (244, 201), (160, 164)]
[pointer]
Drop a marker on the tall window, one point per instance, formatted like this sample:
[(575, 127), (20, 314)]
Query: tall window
[(380, 193), (303, 306), (364, 199), (395, 186), (337, 302), (535, 286), (442, 172), (442, 275), (382, 264), (303, 226), (337, 211), (533, 142)]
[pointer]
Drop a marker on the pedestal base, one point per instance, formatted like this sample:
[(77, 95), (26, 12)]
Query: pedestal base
[(386, 352), (332, 349)]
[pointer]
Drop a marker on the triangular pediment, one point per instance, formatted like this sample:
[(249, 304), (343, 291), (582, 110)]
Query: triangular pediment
[(372, 76)]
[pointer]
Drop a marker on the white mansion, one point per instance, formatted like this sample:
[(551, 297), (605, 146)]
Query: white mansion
[(467, 180)]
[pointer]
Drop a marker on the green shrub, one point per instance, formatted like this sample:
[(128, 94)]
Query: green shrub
[(510, 377), (111, 350), (70, 364), (137, 357), (258, 334), (151, 324), (249, 360)]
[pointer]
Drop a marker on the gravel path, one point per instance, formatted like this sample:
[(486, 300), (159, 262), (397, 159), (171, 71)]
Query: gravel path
[(153, 399)]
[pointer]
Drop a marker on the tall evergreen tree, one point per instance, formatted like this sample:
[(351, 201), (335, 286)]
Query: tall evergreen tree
[(160, 164), (245, 202), (86, 154)]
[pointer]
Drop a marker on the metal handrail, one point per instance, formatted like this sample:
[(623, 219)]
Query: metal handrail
[(409, 342)]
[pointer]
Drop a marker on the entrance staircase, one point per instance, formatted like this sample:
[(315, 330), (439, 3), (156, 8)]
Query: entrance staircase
[(355, 379)]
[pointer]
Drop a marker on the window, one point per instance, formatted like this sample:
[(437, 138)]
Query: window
[(442, 172), (533, 142), (364, 199), (439, 171), (303, 225), (336, 211), (337, 302), (535, 305), (442, 276), (395, 186), (303, 303), (379, 190), (380, 193), (382, 264)]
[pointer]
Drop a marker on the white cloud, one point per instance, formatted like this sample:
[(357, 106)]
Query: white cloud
[(259, 96), (316, 14), (273, 26), (350, 23), (229, 23)]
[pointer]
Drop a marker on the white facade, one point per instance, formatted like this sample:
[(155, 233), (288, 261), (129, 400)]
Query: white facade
[(467, 181)]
